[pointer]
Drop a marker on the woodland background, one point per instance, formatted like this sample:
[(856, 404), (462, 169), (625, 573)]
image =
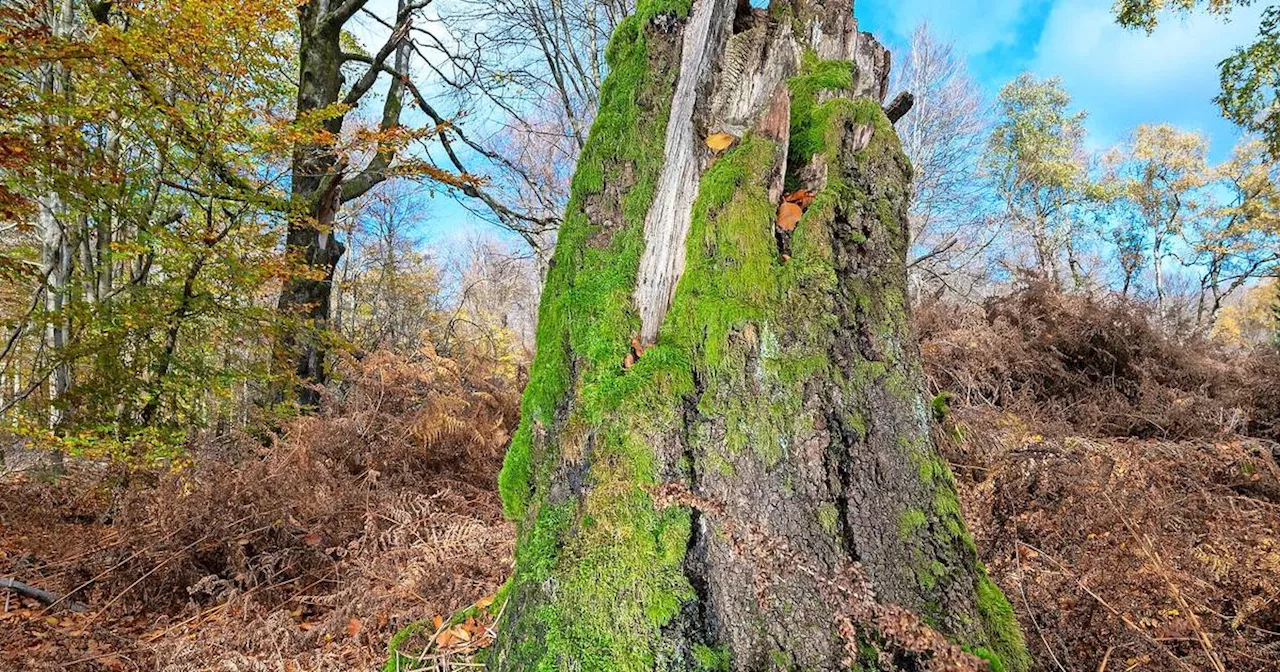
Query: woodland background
[(1099, 325)]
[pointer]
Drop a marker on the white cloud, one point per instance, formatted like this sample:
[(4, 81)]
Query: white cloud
[(1125, 78)]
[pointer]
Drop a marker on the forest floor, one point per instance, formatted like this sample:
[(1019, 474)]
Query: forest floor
[(314, 551), (1118, 554)]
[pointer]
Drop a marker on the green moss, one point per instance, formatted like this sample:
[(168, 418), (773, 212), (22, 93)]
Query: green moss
[(910, 521), (829, 518), (725, 308), (719, 465), (586, 311), (781, 660), (812, 129), (941, 406), (709, 659), (1004, 638), (986, 654), (613, 559), (396, 661), (809, 119)]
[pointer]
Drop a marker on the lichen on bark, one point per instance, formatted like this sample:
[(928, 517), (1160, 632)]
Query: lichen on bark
[(783, 385)]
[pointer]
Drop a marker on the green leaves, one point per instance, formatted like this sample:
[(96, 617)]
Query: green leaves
[(1145, 14), (1251, 84)]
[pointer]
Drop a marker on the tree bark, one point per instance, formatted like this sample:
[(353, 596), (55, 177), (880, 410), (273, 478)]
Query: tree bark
[(321, 182), (724, 458), (57, 245), (316, 187)]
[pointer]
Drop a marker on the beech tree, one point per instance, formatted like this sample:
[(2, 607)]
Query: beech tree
[(134, 262), (724, 458)]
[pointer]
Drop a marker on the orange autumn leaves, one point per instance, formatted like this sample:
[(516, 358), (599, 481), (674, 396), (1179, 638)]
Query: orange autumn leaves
[(466, 637), (633, 355), (789, 213), (793, 206), (718, 142)]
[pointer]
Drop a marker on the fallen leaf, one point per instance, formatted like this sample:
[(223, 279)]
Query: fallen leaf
[(629, 361), (718, 142), (788, 216), (312, 539), (484, 602), (437, 621), (354, 626), (801, 197)]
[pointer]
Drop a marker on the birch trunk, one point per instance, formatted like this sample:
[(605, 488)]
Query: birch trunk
[(724, 458)]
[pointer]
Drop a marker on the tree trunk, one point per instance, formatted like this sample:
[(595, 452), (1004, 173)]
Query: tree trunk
[(57, 246), (316, 186), (1157, 267), (321, 182), (724, 458)]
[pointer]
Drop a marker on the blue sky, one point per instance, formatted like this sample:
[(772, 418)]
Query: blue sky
[(1123, 78)]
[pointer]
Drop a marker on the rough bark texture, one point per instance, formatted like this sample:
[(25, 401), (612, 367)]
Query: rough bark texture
[(782, 391)]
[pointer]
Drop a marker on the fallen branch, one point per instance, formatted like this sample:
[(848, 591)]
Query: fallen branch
[(900, 106), (43, 596)]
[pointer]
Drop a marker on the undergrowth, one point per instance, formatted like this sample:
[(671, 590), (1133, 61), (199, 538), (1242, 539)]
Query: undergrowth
[(311, 551)]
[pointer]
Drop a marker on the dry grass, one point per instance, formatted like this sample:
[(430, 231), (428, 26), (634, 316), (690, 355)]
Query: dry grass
[(1128, 554), (1095, 365), (313, 550), (1103, 468)]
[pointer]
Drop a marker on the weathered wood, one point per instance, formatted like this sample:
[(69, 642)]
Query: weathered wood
[(667, 224), (775, 124), (900, 106), (834, 35), (40, 595), (756, 62)]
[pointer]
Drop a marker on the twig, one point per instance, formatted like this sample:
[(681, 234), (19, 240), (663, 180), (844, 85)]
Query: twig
[(1102, 667), (43, 596), (1115, 612), (1022, 588)]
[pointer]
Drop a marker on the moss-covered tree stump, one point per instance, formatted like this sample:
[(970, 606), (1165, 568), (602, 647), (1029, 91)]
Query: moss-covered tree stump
[(724, 459)]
